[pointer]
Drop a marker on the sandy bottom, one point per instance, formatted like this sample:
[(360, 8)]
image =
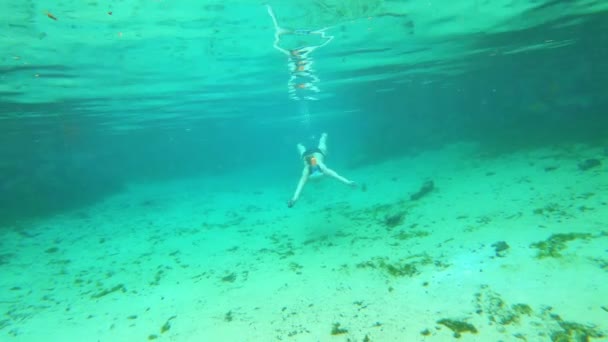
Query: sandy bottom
[(503, 248)]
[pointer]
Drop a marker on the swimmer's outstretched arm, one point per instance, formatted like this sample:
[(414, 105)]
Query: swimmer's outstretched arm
[(335, 175), (299, 188)]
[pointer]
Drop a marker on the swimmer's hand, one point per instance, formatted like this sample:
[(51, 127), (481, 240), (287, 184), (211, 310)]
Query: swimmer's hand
[(352, 184), (290, 203)]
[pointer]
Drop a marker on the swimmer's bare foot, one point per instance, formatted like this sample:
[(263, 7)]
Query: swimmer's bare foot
[(290, 203)]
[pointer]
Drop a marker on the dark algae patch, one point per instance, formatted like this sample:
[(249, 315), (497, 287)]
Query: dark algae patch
[(401, 268), (5, 258), (555, 244), (336, 330), (574, 332), (52, 250), (119, 287), (424, 190), (497, 310), (589, 164), (522, 309), (165, 327), (393, 220), (230, 278), (500, 248), (458, 327), (546, 325), (157, 277), (402, 235), (553, 211)]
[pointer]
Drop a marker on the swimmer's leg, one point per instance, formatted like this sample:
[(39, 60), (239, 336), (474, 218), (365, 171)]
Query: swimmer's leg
[(323, 143)]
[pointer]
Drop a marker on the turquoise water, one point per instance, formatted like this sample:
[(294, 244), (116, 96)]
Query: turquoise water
[(148, 151)]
